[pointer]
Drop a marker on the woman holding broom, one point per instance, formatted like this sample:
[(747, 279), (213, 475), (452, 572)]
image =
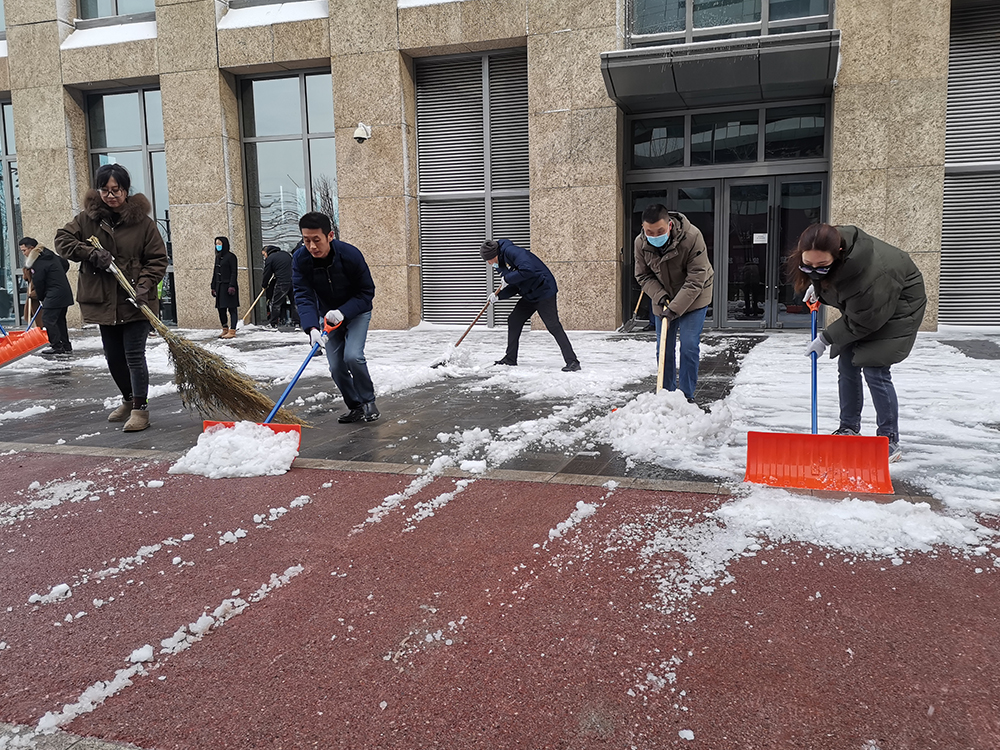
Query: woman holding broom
[(130, 239)]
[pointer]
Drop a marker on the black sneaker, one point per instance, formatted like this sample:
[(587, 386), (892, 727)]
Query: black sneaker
[(354, 415), (691, 400), (505, 361), (370, 411), (845, 431), (573, 366)]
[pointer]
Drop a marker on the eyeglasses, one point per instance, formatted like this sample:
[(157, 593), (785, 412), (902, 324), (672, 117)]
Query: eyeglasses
[(821, 270), (115, 191)]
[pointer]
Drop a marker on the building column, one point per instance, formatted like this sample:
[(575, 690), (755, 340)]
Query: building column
[(887, 174), (204, 165), (376, 180)]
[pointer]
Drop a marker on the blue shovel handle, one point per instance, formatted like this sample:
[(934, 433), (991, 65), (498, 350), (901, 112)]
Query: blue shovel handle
[(312, 352), (814, 307), (32, 322)]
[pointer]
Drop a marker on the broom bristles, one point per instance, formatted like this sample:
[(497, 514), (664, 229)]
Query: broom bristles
[(205, 380)]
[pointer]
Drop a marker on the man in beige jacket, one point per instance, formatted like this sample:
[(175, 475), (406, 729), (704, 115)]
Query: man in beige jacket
[(673, 268)]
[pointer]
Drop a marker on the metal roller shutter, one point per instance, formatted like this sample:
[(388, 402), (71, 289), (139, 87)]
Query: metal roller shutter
[(970, 257), (472, 160)]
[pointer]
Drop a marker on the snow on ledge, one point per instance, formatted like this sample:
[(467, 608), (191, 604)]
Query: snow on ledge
[(264, 15), (3, 48), (120, 32)]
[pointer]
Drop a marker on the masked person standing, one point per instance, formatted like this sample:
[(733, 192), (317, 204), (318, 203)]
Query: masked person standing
[(225, 286), (131, 241), (880, 293), (332, 282), (673, 268)]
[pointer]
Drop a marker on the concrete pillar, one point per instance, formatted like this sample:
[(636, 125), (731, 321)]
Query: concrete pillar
[(889, 109)]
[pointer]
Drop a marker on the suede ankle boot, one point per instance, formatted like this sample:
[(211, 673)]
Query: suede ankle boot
[(121, 413), (138, 420)]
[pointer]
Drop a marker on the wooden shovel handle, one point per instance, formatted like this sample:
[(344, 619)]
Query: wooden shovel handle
[(252, 306), (477, 317)]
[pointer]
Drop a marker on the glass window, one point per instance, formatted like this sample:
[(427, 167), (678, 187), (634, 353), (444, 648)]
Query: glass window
[(658, 16), (115, 120), (289, 170), (725, 12), (8, 148), (154, 116), (658, 143), (795, 132), (13, 293), (273, 106), (107, 8), (3, 18), (724, 137), (779, 10)]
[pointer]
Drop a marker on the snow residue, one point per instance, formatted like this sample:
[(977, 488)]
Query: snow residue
[(244, 450), (426, 509), (376, 514), (473, 467), (59, 592), (154, 483), (266, 15), (183, 639), (231, 537), (52, 494), (583, 510), (25, 413), (686, 734), (418, 3)]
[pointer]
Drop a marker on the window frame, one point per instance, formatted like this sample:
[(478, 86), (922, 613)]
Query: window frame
[(93, 22), (713, 33), (8, 164)]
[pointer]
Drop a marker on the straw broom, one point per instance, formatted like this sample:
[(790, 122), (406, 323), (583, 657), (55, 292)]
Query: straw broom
[(205, 380)]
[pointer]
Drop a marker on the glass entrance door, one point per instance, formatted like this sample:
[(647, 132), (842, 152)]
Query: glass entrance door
[(764, 218)]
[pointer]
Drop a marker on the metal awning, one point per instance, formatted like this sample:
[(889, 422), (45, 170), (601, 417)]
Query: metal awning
[(732, 71)]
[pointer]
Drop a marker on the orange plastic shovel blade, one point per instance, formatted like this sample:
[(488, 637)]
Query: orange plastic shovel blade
[(819, 462), (17, 344), (277, 428)]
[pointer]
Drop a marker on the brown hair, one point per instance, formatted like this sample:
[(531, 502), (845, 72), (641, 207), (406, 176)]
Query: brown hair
[(823, 237)]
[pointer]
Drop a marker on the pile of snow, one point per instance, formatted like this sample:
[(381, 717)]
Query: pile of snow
[(243, 450), (58, 593)]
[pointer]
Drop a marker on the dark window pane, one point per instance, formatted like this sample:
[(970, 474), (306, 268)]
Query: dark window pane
[(128, 7), (132, 161), (796, 29), (725, 12), (9, 146), (658, 143), (272, 107), (724, 137), (154, 116), (319, 103), (782, 9), (276, 192), (795, 132), (323, 173), (3, 18), (160, 198), (97, 8), (114, 120), (15, 199), (658, 16), (730, 35)]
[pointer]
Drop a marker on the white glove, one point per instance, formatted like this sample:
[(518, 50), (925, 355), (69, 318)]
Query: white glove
[(810, 297), (316, 337), (492, 297), (818, 345), (335, 318)]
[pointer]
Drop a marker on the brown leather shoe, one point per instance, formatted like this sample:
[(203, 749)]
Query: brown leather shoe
[(229, 334)]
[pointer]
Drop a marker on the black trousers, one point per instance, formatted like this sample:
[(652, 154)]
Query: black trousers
[(281, 300), (125, 352), (232, 317), (54, 319), (546, 309)]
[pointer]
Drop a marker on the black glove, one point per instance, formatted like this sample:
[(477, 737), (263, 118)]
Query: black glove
[(213, 292), (670, 315), (142, 294), (100, 258), (232, 291)]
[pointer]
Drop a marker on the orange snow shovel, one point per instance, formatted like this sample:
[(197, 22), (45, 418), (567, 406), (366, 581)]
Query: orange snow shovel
[(207, 424), (17, 344), (840, 463)]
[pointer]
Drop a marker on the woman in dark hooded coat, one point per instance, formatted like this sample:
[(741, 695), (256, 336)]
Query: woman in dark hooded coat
[(880, 294), (224, 286)]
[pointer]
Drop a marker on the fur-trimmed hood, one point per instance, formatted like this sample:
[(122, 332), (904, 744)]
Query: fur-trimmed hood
[(33, 255), (135, 208)]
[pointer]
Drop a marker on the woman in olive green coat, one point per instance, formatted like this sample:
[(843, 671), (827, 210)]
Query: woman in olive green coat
[(880, 294)]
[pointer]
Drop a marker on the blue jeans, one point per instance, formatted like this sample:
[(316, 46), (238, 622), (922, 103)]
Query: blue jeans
[(688, 327), (852, 396), (345, 352)]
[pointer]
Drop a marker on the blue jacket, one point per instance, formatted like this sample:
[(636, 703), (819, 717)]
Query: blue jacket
[(524, 273), (340, 281)]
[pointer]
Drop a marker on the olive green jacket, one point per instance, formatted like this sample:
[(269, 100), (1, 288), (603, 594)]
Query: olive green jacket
[(880, 293), (678, 275)]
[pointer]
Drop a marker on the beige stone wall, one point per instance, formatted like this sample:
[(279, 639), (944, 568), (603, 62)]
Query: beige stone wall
[(889, 108)]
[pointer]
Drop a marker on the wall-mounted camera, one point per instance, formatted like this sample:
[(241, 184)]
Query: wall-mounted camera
[(362, 133)]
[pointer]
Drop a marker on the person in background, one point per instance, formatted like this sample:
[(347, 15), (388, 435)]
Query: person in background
[(277, 281), (673, 268), (45, 273), (525, 274), (880, 293), (225, 287), (332, 282), (130, 240)]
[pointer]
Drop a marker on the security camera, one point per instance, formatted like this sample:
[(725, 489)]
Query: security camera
[(362, 133)]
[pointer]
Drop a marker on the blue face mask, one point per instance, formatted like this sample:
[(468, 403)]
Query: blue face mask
[(218, 248), (658, 241), (495, 265)]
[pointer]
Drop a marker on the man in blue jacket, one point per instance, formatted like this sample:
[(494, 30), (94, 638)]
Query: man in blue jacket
[(332, 281), (525, 274)]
